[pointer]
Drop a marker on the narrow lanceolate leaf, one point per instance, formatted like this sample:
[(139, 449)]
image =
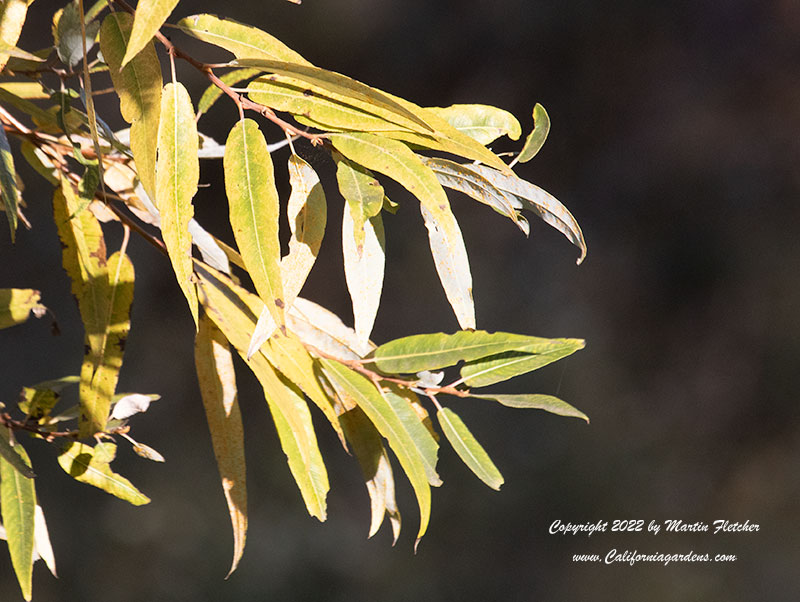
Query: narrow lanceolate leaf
[(535, 140), (177, 175), (296, 433), (363, 193), (395, 159), (342, 85), (150, 16), (8, 183), (254, 209), (16, 304), (233, 310), (468, 448), (484, 123), (363, 269), (463, 179), (307, 213), (41, 541), (324, 330), (100, 370), (365, 441), (438, 350), (504, 366), (91, 465), (12, 18), (548, 403), (382, 414), (138, 85), (217, 381), (68, 35), (528, 196), (242, 40), (10, 456), (18, 504)]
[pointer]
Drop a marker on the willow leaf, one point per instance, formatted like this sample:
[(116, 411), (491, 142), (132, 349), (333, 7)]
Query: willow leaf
[(363, 269), (12, 18), (41, 541), (320, 108), (254, 210), (296, 432), (536, 139), (548, 403), (467, 447), (528, 196), (138, 85), (420, 352), (365, 441), (363, 193), (396, 160), (242, 40), (16, 304), (150, 16), (177, 175), (68, 37), (100, 370), (504, 366), (18, 504), (382, 414), (484, 123), (462, 178), (8, 183), (91, 465), (320, 328), (10, 456), (213, 92), (217, 381), (338, 84)]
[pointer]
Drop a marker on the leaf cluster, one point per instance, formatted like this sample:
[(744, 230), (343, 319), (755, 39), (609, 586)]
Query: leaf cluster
[(378, 399)]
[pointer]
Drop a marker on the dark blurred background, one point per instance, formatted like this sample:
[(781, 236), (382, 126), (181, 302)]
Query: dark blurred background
[(675, 144)]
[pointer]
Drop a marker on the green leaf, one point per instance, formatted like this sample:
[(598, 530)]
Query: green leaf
[(438, 350), (18, 504), (528, 196), (296, 432), (8, 181), (535, 140), (217, 381), (363, 244), (482, 122), (396, 160), (213, 92), (16, 304), (10, 456), (382, 413), (463, 179), (177, 175), (242, 40), (12, 18), (338, 84), (150, 16), (91, 465), (548, 403), (504, 366), (138, 85), (254, 211), (468, 448), (365, 441), (68, 37)]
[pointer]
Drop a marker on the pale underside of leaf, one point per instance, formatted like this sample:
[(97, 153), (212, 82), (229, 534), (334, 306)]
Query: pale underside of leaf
[(468, 448), (42, 546), (528, 196), (217, 380), (548, 403), (150, 16), (395, 160), (177, 176)]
